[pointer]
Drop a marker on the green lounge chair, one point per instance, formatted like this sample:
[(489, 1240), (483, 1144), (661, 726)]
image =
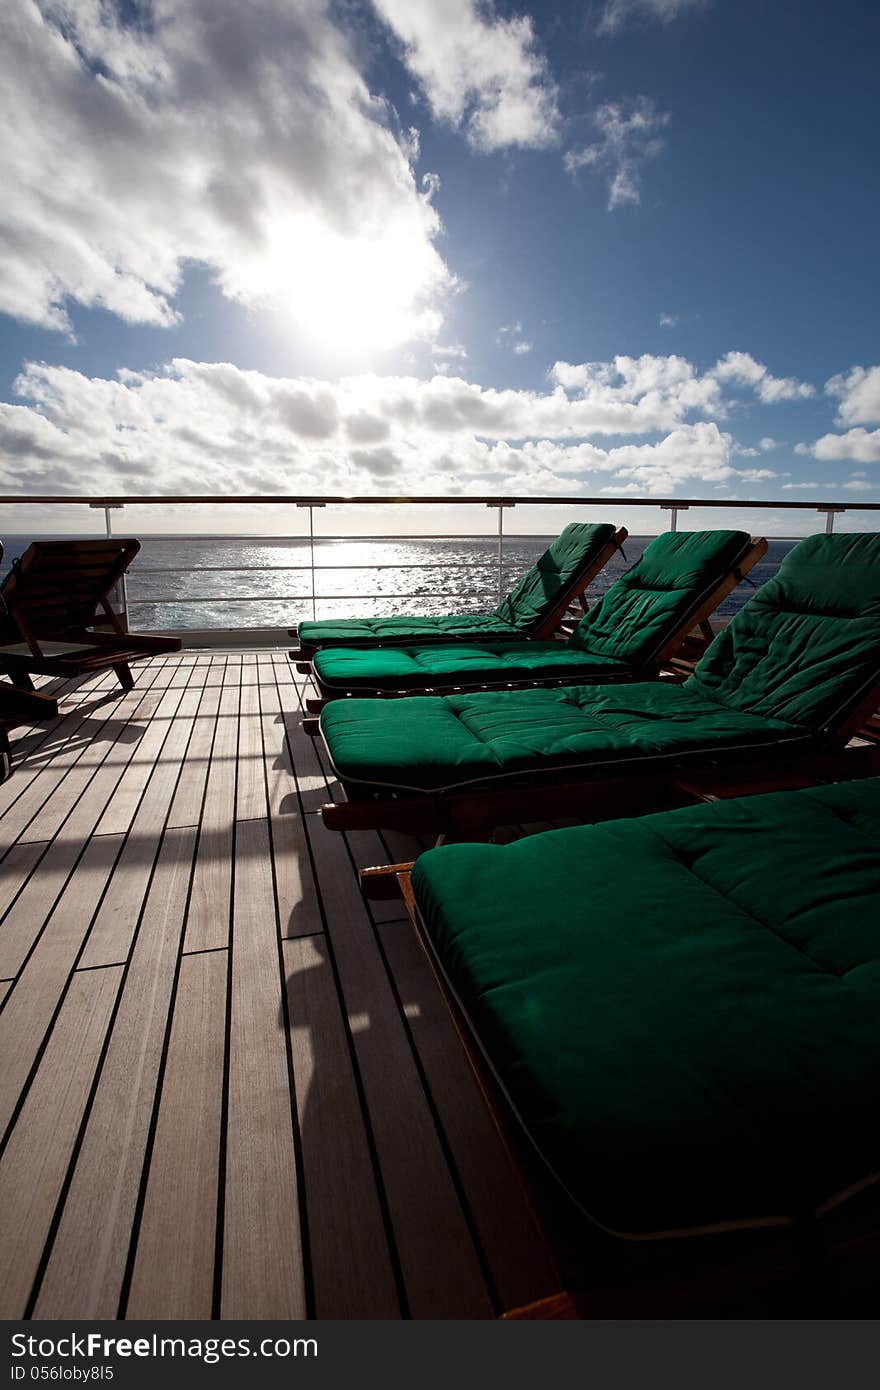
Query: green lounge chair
[(533, 609), (792, 675), (636, 627), (49, 601), (704, 1061)]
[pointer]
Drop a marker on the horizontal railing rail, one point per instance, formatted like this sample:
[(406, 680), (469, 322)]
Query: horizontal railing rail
[(376, 500), (479, 594)]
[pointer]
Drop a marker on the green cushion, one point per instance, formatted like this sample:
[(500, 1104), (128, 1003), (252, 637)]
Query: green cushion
[(436, 744), (517, 616), (643, 608), (350, 632), (791, 664), (620, 635), (400, 668), (807, 644), (683, 1008), (541, 587)]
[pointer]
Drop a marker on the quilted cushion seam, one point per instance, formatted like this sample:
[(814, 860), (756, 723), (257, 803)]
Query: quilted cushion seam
[(746, 911)]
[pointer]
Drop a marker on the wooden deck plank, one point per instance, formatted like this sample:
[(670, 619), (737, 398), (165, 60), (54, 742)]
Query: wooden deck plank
[(207, 925), (186, 808), (173, 1274), (298, 910), (94, 800), (262, 1258), (34, 746), (98, 771), (351, 1263), (46, 881), (111, 935), (51, 794), (36, 1159), (15, 870), (250, 792), (84, 1274), (315, 783), (343, 1105), (29, 1008), (515, 1250), (441, 1269), (170, 726), (36, 901)]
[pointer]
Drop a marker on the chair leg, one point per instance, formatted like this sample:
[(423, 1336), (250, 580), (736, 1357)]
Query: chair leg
[(126, 679), (5, 756), (20, 678)]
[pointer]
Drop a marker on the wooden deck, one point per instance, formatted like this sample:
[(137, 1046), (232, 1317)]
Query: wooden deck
[(228, 1087)]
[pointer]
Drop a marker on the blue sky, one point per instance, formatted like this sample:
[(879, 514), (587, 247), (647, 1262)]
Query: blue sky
[(623, 248)]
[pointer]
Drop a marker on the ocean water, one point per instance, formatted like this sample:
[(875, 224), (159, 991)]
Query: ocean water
[(182, 582)]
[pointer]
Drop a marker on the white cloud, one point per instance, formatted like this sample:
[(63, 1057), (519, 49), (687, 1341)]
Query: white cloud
[(655, 392), (767, 444), (859, 444), (617, 13), (448, 350), (480, 72), (741, 369), (240, 138), (858, 391), (857, 483), (212, 427), (668, 320), (509, 335), (629, 134)]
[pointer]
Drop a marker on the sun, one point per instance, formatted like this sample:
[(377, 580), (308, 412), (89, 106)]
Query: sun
[(353, 293)]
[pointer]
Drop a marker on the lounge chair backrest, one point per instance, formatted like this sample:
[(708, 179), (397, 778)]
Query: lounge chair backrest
[(540, 588), (674, 577), (806, 646), (56, 585)]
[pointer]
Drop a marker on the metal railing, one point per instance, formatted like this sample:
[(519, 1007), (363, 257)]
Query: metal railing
[(493, 591)]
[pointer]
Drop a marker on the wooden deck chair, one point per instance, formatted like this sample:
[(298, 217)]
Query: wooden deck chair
[(637, 626), (673, 1019), (19, 707), (787, 683), (49, 601), (542, 599)]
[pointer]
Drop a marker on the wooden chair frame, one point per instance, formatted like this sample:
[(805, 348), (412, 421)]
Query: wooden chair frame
[(599, 791), (20, 707), (697, 617), (563, 610), (100, 649)]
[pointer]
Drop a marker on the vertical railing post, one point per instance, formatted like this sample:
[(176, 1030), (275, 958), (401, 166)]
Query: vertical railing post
[(501, 506), (674, 508), (829, 517), (311, 510), (121, 587)]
